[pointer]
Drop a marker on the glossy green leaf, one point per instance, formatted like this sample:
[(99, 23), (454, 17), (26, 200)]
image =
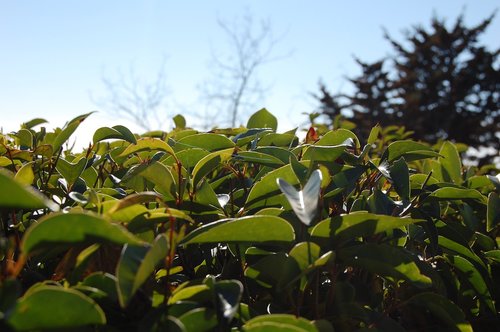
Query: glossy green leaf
[(257, 158), (198, 293), (74, 228), (207, 141), (33, 123), (179, 121), (279, 322), (387, 261), (493, 213), (251, 229), (323, 153), (493, 255), (67, 131), (266, 191), (273, 271), (116, 132), (51, 307), (25, 139), (474, 277), (443, 309), (136, 265), (400, 176), (337, 137), (262, 119), (451, 166), (105, 282), (20, 196), (71, 171), (410, 150), (162, 178), (374, 133), (357, 224), (148, 144), (279, 140), (208, 163), (199, 319), (451, 193), (25, 174)]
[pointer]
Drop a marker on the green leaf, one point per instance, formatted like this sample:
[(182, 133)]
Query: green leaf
[(280, 140), (208, 163), (410, 150), (258, 158), (198, 293), (474, 277), (451, 166), (337, 137), (162, 178), (25, 139), (67, 131), (33, 123), (51, 307), (374, 133), (148, 144), (251, 229), (262, 119), (199, 319), (207, 141), (443, 309), (179, 121), (493, 214), (387, 261), (266, 191), (117, 132), (279, 322), (25, 174), (74, 228), (136, 265), (357, 224), (401, 178), (324, 153), (71, 171), (18, 196), (451, 193), (104, 282)]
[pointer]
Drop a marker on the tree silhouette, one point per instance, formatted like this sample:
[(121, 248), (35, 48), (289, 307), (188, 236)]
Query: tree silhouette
[(441, 84)]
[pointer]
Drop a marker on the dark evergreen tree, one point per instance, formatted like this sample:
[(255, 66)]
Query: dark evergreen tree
[(441, 84)]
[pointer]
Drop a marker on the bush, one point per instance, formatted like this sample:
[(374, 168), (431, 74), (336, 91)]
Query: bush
[(191, 231)]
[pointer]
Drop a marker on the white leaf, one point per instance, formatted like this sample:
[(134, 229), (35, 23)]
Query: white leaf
[(304, 202)]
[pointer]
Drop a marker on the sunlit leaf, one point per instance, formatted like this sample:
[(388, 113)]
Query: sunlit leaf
[(357, 224), (279, 322), (304, 202), (262, 119), (251, 229), (136, 265), (51, 307), (74, 228), (18, 195), (207, 141)]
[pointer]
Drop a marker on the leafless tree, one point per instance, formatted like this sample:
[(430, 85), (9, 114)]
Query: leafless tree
[(137, 99), (234, 86)]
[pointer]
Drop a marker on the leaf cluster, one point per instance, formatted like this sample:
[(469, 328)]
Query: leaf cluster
[(189, 231)]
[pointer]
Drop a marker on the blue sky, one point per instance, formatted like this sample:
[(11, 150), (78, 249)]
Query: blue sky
[(54, 53)]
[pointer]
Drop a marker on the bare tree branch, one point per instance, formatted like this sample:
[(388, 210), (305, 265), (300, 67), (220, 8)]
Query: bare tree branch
[(140, 101), (234, 86)]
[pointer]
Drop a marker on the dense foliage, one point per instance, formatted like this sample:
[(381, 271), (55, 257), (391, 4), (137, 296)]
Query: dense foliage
[(190, 231), (440, 83)]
